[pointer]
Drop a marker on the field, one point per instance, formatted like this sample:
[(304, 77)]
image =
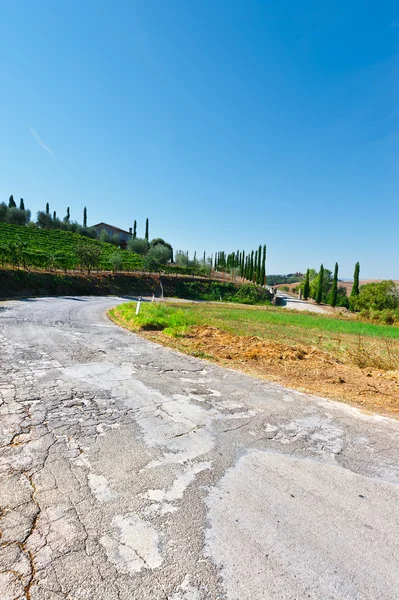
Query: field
[(46, 248), (334, 357)]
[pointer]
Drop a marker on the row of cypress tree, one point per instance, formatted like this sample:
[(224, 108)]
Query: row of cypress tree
[(333, 295), (251, 266), (147, 230)]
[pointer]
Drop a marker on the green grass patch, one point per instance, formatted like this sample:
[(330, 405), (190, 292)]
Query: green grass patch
[(356, 342), (156, 316), (248, 320)]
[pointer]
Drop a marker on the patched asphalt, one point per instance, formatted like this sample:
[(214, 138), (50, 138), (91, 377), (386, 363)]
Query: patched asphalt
[(130, 471)]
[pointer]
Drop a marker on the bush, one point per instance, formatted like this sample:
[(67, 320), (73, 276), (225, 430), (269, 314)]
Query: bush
[(378, 296), (227, 292), (116, 261), (251, 294), (160, 253), (14, 215), (343, 302), (138, 245), (387, 316), (160, 242)]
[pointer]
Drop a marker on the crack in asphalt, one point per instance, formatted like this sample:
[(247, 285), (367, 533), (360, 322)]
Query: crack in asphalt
[(114, 405)]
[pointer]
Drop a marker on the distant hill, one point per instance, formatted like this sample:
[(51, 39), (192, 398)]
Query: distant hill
[(284, 279), (22, 245), (349, 284)]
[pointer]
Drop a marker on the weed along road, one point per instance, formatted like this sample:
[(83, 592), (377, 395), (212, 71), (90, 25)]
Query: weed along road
[(129, 471)]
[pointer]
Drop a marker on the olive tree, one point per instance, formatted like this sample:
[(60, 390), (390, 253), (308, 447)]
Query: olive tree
[(138, 245)]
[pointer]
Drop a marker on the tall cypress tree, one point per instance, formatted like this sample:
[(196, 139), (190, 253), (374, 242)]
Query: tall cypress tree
[(47, 208), (355, 287), (334, 290), (251, 267), (319, 292), (54, 216), (306, 287), (255, 272), (68, 215), (134, 229), (259, 266), (85, 217), (21, 204), (263, 268), (147, 224), (11, 202)]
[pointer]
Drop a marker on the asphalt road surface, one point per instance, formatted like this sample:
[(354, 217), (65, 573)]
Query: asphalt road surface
[(129, 471), (292, 302)]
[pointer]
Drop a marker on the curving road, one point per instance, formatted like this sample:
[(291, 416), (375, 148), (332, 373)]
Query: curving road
[(293, 303), (129, 471)]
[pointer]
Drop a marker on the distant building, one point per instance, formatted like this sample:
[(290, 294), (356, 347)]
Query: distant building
[(124, 236)]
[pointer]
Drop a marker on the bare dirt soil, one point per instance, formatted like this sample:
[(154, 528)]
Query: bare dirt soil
[(298, 366)]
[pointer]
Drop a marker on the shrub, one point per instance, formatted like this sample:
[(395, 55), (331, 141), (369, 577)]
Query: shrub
[(160, 253), (138, 245), (116, 261), (251, 294), (378, 296)]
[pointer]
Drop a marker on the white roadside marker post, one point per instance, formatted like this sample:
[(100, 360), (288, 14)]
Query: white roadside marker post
[(138, 306)]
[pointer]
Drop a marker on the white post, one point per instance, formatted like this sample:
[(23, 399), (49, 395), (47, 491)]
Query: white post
[(160, 283), (138, 306), (153, 298)]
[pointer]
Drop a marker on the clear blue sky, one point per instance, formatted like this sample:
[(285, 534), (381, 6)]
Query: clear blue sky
[(227, 123)]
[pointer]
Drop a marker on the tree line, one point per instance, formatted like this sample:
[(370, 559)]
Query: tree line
[(250, 266), (323, 286)]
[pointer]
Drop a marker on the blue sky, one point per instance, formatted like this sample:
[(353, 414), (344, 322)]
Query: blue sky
[(227, 123)]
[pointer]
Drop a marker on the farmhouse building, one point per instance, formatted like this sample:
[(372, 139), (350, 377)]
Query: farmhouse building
[(124, 236)]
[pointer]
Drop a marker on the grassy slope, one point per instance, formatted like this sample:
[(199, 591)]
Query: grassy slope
[(42, 243)]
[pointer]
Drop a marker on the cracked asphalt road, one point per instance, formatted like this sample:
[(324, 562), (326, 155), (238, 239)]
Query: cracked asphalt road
[(129, 471)]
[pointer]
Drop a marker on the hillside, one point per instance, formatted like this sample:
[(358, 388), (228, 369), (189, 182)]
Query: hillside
[(53, 248)]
